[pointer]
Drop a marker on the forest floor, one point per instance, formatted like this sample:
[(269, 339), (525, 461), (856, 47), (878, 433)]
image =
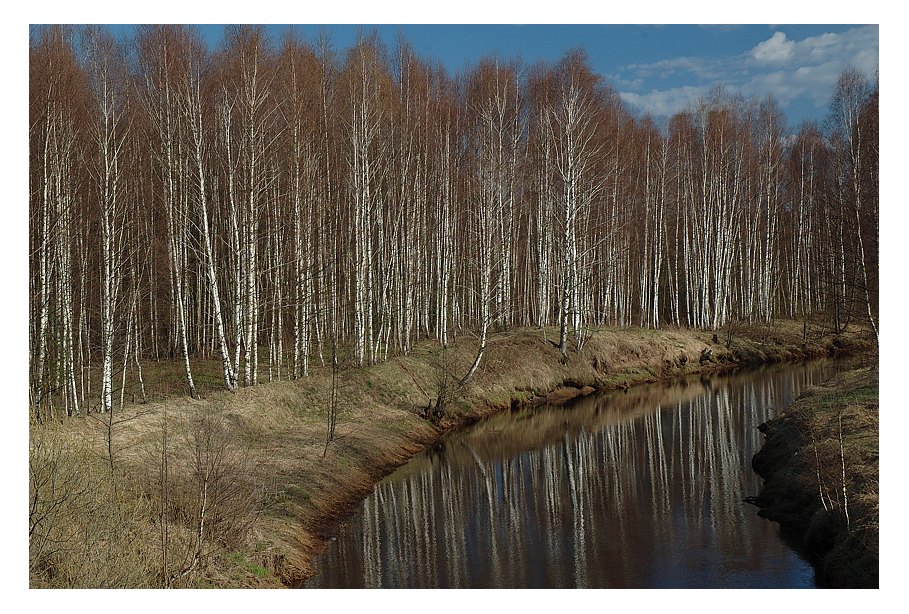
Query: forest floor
[(119, 502), (820, 468)]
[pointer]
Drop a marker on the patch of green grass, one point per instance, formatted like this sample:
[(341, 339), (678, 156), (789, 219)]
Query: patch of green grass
[(282, 501), (210, 380), (239, 559), (840, 398), (629, 376)]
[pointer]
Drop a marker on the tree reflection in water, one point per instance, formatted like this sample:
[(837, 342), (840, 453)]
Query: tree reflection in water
[(631, 489)]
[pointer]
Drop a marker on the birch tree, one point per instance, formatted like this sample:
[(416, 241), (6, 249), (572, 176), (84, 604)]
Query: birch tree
[(199, 202), (492, 106), (301, 117), (190, 94), (107, 76), (56, 126), (159, 57), (850, 95), (363, 79), (572, 126)]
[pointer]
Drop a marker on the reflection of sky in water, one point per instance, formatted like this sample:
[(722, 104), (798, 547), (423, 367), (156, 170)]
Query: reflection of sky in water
[(639, 489)]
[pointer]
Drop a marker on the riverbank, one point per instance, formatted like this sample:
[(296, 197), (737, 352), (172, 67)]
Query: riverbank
[(274, 492), (820, 468)]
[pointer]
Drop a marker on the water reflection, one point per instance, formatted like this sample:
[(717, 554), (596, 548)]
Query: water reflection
[(635, 489)]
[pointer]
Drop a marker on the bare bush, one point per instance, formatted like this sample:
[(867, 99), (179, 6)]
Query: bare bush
[(214, 496), (446, 385), (87, 526), (92, 525), (55, 487)]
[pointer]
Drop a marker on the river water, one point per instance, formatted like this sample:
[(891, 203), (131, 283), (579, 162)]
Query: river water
[(636, 489)]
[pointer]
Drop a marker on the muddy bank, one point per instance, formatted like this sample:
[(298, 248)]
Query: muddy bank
[(819, 463)]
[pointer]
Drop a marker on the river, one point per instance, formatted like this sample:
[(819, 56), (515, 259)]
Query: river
[(634, 489)]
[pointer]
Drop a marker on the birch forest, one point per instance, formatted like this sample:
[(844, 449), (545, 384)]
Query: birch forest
[(275, 204)]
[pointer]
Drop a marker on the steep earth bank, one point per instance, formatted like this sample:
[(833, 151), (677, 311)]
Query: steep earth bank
[(820, 468)]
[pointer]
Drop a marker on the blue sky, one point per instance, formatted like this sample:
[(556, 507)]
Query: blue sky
[(657, 69)]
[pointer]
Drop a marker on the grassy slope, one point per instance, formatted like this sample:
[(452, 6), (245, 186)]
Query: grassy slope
[(282, 428), (802, 465)]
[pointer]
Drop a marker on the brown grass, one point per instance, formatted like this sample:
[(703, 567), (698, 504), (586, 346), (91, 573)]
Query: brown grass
[(830, 430), (279, 431)]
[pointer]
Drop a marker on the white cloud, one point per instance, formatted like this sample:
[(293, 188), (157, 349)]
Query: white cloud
[(664, 102), (774, 50), (844, 47), (814, 65), (782, 67)]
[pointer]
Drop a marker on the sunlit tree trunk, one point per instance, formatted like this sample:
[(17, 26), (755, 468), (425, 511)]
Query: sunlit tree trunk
[(107, 74), (193, 106)]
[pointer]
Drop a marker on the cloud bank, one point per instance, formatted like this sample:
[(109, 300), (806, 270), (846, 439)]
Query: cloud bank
[(803, 71)]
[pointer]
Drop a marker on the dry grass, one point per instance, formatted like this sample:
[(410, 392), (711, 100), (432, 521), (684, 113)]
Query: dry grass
[(278, 432), (821, 471), (843, 418)]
